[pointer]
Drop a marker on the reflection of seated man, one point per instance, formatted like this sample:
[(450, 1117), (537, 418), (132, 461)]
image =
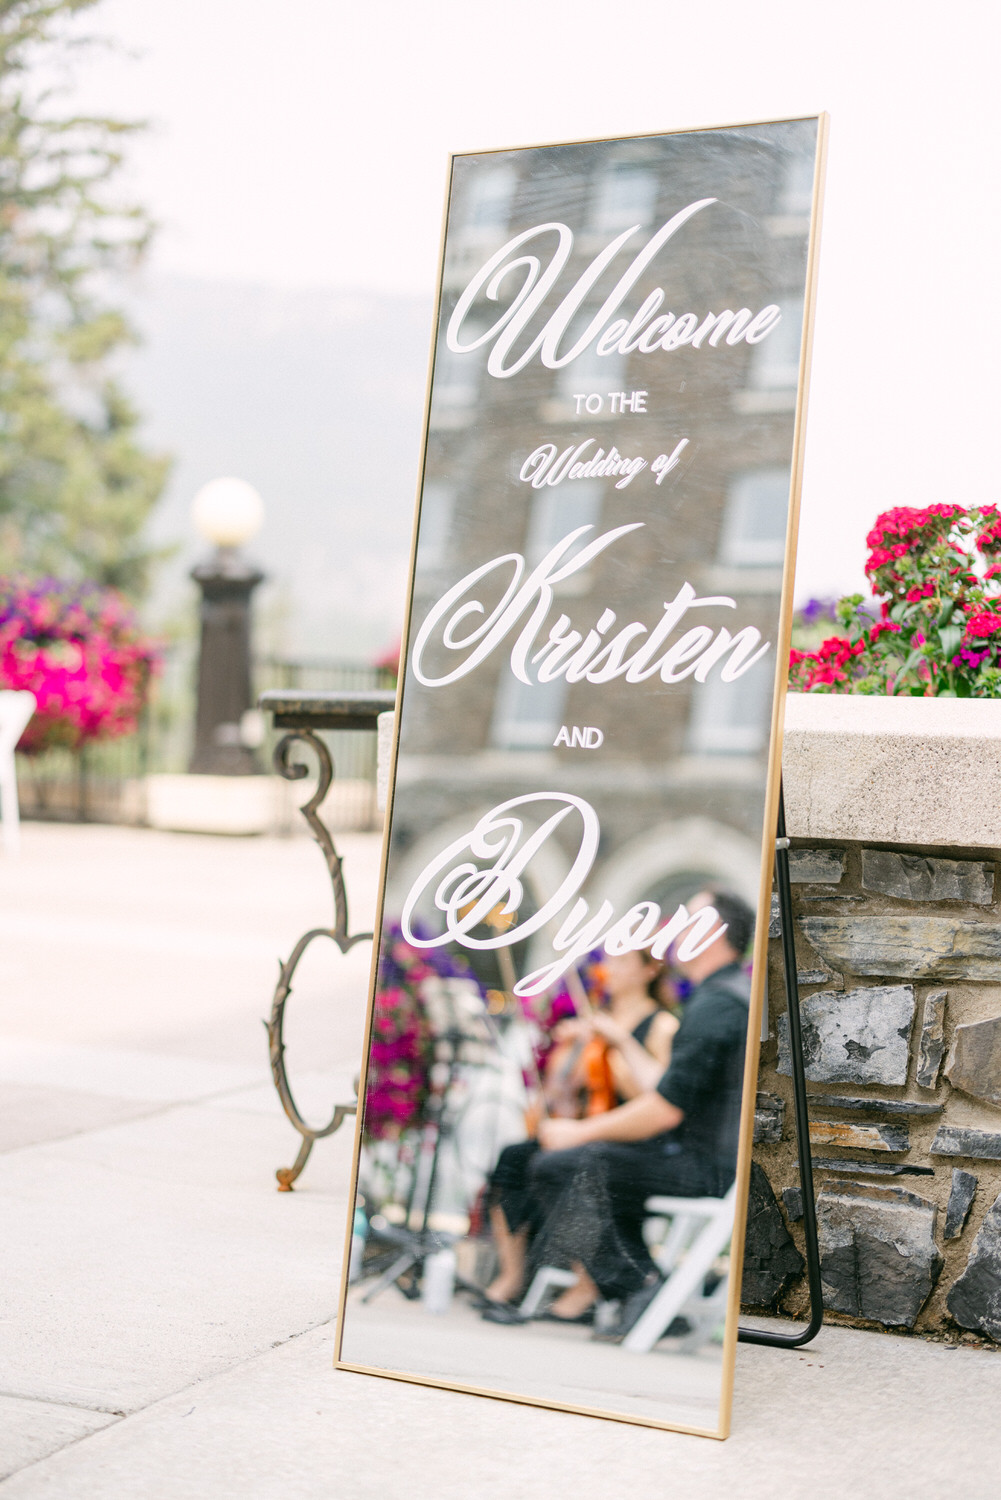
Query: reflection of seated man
[(679, 1138), (638, 1032)]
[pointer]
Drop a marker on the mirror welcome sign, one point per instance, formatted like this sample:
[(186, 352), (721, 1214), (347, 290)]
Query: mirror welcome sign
[(556, 1106)]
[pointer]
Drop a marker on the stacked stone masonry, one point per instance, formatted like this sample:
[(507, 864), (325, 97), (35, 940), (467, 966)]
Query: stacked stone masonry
[(899, 966)]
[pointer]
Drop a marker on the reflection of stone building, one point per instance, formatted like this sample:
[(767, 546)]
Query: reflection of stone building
[(679, 778)]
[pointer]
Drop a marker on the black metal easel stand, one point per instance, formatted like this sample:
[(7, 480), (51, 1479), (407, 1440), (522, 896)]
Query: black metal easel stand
[(761, 1335)]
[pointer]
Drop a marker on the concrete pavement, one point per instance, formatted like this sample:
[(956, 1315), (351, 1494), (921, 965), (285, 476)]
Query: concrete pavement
[(166, 1314)]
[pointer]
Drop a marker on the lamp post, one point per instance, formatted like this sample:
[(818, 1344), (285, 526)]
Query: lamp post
[(227, 512)]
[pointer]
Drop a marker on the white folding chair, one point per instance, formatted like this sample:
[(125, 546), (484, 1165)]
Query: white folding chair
[(700, 1231), (15, 711), (545, 1280)]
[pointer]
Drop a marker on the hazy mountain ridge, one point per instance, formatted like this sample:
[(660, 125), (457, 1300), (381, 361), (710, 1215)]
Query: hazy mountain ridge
[(314, 396)]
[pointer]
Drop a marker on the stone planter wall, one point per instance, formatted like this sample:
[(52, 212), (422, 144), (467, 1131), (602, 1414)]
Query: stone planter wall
[(894, 809)]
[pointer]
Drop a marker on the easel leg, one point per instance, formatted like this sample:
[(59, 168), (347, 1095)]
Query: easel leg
[(760, 1335)]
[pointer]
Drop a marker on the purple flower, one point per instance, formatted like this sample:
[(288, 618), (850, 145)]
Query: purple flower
[(818, 609)]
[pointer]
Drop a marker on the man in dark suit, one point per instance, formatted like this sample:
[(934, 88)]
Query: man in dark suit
[(679, 1138)]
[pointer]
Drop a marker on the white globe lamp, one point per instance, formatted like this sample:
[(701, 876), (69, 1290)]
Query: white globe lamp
[(228, 512)]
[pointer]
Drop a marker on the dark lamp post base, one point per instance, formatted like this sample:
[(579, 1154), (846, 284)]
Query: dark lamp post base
[(226, 581)]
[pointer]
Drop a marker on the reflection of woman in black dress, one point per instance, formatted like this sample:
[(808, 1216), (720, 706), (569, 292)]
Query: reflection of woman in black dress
[(639, 1034)]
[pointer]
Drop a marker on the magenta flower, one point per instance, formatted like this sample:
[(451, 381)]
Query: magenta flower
[(939, 604), (79, 649)]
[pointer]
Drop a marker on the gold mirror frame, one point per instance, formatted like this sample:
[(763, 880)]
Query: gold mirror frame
[(463, 172)]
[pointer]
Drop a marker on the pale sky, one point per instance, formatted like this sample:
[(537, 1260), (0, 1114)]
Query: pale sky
[(305, 144)]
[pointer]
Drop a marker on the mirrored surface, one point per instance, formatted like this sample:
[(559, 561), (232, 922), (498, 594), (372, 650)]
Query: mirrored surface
[(546, 1181)]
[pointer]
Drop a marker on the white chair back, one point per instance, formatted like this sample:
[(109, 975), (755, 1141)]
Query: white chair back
[(708, 1227), (16, 708)]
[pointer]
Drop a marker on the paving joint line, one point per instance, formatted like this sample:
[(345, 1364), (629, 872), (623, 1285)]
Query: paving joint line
[(105, 1411), (124, 1416), (163, 1108)]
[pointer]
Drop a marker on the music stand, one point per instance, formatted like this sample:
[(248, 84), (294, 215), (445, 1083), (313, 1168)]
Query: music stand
[(462, 1031)]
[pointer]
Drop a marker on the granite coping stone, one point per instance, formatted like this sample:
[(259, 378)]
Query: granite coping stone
[(872, 769)]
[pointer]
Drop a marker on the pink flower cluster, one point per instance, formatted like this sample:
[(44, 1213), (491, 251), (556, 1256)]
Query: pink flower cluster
[(983, 624), (989, 540), (389, 660), (79, 649), (898, 531), (402, 1047), (824, 667), (399, 1061), (940, 630)]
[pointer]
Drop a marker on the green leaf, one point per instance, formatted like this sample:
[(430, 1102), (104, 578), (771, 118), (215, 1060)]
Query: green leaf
[(951, 637)]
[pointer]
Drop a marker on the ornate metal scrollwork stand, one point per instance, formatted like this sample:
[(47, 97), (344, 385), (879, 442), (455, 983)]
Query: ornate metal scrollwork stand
[(302, 716)]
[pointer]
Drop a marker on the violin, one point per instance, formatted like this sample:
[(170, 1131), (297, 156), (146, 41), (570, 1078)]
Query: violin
[(577, 1080)]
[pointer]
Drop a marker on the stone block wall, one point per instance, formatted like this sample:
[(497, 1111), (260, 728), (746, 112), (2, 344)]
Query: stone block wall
[(899, 966)]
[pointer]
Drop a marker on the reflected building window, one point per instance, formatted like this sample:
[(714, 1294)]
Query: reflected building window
[(480, 220), (625, 193), (555, 513), (437, 514), (590, 371), (754, 524), (488, 198), (457, 377), (796, 193), (731, 718), (775, 361), (528, 716)]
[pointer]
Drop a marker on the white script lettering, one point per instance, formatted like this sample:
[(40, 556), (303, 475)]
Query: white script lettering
[(545, 466), (466, 891), (570, 653), (646, 331)]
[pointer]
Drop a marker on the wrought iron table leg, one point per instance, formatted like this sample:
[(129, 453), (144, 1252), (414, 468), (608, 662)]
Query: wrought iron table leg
[(295, 771), (287, 1175)]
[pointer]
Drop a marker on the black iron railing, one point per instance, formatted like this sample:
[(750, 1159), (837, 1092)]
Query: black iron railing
[(104, 782)]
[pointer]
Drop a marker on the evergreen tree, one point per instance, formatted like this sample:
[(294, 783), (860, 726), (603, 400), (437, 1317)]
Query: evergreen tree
[(76, 485)]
